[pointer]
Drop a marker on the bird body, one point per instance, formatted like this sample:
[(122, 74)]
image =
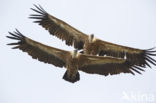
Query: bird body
[(72, 68), (90, 47)]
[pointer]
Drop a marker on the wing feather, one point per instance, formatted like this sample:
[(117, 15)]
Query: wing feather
[(135, 56), (107, 65), (39, 51), (59, 28)]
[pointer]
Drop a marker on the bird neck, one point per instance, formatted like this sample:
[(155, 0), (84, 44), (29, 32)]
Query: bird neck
[(74, 54), (91, 38)]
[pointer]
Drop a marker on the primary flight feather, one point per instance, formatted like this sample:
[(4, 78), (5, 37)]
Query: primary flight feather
[(89, 43), (72, 61)]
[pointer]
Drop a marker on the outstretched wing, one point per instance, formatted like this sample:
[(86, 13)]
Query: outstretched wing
[(106, 65), (39, 51), (59, 28), (135, 56)]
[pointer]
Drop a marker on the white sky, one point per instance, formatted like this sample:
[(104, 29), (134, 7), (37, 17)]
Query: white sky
[(126, 22)]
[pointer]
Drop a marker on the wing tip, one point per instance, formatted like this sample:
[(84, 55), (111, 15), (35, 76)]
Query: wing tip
[(16, 35), (149, 53), (41, 13), (38, 9), (136, 69)]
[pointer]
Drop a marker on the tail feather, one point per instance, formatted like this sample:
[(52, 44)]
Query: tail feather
[(70, 78)]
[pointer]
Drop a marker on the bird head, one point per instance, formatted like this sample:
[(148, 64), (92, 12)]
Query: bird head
[(91, 37)]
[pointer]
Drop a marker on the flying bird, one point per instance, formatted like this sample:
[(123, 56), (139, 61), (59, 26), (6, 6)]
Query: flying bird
[(89, 43), (72, 61)]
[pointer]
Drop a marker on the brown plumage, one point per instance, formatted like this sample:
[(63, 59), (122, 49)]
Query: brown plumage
[(72, 61), (90, 44), (59, 28)]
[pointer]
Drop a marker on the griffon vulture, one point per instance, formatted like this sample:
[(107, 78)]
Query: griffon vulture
[(72, 61), (89, 43)]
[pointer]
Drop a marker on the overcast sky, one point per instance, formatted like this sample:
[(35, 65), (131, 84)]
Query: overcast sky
[(125, 22)]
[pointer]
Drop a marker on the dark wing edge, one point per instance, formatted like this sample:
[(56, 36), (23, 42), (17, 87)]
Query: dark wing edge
[(35, 52), (148, 54), (142, 58), (112, 68), (59, 29)]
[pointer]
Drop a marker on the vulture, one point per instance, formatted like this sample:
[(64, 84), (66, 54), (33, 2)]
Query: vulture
[(72, 61), (89, 43)]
